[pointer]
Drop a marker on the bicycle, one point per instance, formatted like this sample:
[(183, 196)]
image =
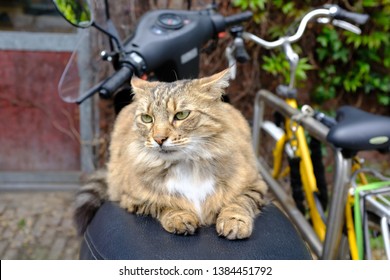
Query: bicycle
[(307, 209)]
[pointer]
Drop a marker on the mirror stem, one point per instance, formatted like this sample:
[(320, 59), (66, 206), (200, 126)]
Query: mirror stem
[(109, 34), (107, 9)]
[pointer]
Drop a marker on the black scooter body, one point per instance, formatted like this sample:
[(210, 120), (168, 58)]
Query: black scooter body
[(178, 35)]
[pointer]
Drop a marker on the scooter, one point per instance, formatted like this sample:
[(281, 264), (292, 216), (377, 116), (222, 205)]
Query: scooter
[(166, 46)]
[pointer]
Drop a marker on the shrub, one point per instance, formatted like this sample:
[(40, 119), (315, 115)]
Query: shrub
[(345, 63)]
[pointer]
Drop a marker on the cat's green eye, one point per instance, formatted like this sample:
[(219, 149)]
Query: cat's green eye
[(146, 118), (182, 115)]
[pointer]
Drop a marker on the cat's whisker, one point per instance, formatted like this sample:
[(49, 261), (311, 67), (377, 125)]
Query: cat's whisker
[(174, 72), (149, 145), (194, 153), (180, 142)]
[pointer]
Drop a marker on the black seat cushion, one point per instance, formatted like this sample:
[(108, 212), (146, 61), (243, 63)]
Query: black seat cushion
[(357, 130), (117, 234)]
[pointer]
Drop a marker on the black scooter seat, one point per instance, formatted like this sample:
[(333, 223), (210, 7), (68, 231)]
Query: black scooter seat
[(357, 130)]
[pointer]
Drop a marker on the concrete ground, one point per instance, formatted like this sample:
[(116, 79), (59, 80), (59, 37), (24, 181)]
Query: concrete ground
[(37, 225)]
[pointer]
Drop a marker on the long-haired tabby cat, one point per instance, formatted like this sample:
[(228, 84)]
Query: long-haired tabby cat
[(181, 155)]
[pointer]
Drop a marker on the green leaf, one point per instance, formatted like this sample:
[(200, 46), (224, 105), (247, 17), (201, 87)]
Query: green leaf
[(323, 41), (242, 4), (341, 55), (370, 3), (322, 54), (384, 99), (353, 39), (352, 83), (257, 4), (288, 7)]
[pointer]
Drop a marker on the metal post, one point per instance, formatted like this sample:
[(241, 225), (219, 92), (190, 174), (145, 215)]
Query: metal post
[(314, 127), (86, 108), (258, 116), (337, 206)]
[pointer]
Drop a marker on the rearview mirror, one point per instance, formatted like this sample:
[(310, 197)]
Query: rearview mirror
[(77, 12)]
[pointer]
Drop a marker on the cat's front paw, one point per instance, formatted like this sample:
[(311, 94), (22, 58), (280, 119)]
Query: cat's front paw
[(234, 227), (180, 222)]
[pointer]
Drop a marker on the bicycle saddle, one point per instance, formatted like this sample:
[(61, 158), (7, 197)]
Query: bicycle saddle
[(357, 130)]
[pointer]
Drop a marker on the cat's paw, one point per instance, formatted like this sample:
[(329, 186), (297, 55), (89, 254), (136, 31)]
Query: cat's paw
[(234, 227), (180, 222)]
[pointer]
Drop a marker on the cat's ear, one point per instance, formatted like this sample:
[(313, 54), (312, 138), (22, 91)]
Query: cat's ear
[(139, 86), (215, 84)]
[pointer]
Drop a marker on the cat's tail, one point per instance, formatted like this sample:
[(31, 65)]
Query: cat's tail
[(89, 198)]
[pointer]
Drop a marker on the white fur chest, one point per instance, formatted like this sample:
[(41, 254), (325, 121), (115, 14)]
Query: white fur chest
[(192, 182)]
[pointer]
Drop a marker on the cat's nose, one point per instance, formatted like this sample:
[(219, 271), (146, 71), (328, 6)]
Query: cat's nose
[(160, 139)]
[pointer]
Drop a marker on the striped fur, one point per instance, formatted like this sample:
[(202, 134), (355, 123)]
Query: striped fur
[(181, 155), (89, 198)]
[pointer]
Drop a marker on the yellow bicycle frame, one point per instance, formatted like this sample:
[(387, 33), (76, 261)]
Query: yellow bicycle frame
[(351, 229), (298, 141), (306, 169)]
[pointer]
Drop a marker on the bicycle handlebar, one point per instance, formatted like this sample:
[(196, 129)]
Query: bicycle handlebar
[(330, 11)]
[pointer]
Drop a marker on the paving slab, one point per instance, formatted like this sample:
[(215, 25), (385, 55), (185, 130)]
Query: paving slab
[(37, 225)]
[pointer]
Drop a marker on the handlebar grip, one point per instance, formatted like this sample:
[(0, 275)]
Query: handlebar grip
[(115, 81), (238, 18), (355, 17)]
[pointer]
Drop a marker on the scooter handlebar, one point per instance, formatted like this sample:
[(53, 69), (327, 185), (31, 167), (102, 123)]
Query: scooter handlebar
[(238, 18), (112, 83)]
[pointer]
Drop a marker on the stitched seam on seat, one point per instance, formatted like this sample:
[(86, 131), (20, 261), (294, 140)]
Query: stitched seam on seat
[(90, 246)]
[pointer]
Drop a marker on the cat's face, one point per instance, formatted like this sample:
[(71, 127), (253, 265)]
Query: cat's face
[(179, 120)]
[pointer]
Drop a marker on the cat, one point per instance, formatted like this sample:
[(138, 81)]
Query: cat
[(183, 156)]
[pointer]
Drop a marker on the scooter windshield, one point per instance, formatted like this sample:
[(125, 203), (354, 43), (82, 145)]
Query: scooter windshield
[(69, 87)]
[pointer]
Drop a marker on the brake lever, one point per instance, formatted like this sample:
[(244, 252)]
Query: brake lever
[(342, 24), (347, 26)]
